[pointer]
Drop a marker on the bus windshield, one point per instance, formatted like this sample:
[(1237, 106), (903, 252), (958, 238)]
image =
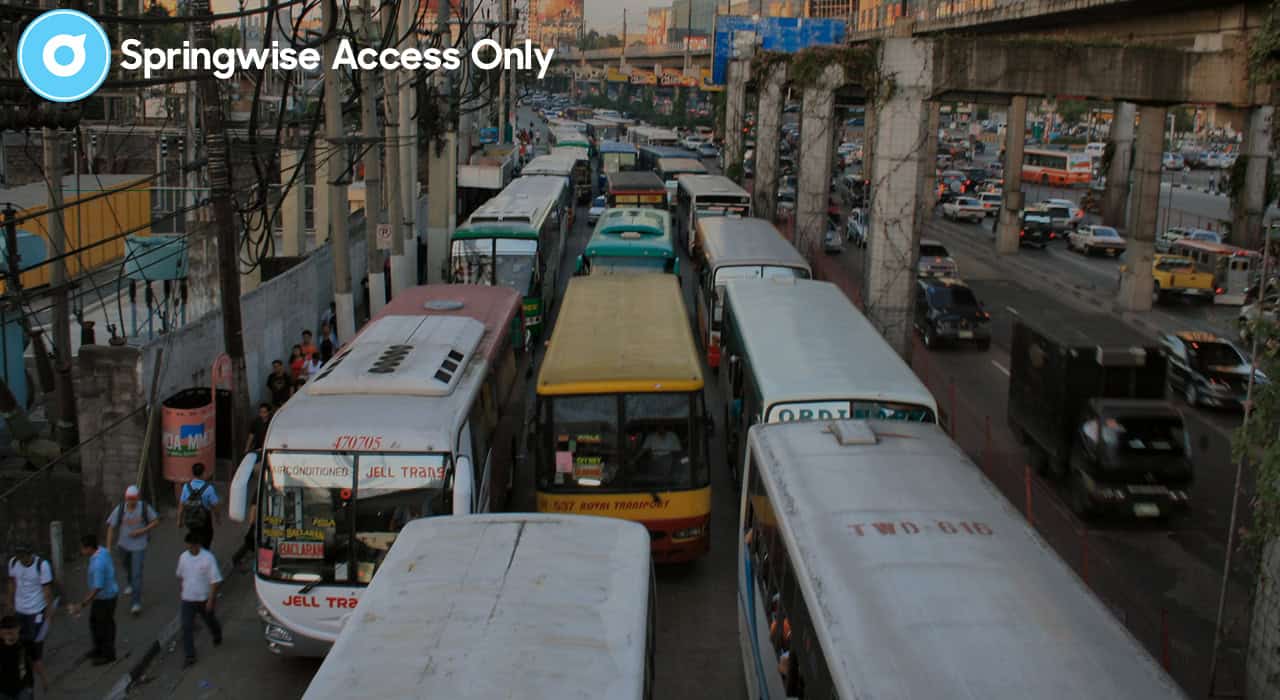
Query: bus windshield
[(331, 518), (789, 411), (606, 442), (628, 265), (504, 262), (617, 162), (754, 272)]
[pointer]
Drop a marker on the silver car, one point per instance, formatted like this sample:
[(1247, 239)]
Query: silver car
[(935, 261)]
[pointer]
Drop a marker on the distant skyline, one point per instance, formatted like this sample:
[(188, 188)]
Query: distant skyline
[(605, 16)]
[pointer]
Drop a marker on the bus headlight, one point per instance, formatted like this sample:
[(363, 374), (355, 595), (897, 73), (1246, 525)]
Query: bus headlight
[(688, 533), (276, 633)]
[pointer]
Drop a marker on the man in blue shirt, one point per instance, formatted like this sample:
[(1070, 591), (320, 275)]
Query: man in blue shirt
[(101, 600), (198, 506)]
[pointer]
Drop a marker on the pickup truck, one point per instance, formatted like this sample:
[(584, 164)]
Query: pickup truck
[(964, 208), (1086, 395), (1176, 275)]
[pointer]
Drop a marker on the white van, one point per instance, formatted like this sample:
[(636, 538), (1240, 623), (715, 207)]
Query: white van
[(1095, 149)]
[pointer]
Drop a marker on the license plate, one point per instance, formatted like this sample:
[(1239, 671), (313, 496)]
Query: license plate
[(1146, 510), (965, 335)]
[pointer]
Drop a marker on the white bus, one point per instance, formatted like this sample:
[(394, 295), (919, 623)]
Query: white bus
[(581, 175), (492, 607), (876, 561), (798, 350), (701, 196), (652, 136), (730, 249), (418, 415)]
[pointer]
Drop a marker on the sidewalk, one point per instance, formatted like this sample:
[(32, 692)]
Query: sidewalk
[(71, 675)]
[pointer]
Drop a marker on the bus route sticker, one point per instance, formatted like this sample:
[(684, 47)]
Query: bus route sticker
[(564, 462), (265, 557), (301, 550)]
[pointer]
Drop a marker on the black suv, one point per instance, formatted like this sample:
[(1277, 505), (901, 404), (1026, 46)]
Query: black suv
[(946, 311), (1035, 228)]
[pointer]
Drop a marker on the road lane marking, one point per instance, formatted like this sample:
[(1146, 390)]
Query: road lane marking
[(1000, 367)]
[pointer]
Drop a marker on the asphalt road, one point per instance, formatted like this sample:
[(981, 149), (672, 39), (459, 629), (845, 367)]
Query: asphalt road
[(697, 635)]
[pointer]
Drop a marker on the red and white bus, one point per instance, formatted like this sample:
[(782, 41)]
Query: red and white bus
[(417, 416), (1060, 168)]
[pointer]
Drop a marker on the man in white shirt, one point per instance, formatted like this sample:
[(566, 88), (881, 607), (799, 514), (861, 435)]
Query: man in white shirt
[(31, 599), (200, 577)]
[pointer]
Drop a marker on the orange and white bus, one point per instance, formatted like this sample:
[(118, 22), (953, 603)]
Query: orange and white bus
[(621, 423), (1061, 168)]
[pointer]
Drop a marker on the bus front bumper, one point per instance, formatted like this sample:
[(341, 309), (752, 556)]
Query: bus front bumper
[(284, 641), (679, 539)]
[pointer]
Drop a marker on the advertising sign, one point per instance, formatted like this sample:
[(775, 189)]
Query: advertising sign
[(785, 34)]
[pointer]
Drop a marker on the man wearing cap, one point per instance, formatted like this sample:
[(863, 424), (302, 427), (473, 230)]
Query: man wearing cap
[(31, 599), (132, 521)]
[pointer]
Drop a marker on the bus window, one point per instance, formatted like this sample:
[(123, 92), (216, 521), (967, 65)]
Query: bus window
[(586, 440), (383, 506), (658, 440)]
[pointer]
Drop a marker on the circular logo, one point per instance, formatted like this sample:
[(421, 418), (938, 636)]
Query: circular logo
[(64, 55)]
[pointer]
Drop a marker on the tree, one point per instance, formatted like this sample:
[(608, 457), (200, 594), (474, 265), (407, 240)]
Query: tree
[(162, 36)]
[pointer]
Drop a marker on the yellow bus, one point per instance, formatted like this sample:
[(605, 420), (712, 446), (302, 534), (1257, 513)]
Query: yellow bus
[(621, 425)]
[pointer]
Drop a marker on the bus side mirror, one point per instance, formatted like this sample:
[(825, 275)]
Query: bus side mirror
[(676, 268), (238, 507), (463, 485), (578, 267)]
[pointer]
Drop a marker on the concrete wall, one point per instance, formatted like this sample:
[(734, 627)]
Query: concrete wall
[(275, 315), (111, 403), (1262, 666)]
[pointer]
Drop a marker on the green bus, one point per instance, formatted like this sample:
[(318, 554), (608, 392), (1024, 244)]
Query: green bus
[(516, 240), (631, 240)]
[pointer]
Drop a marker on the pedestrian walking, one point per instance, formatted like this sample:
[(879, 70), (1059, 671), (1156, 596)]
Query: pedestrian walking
[(258, 429), (133, 522), (307, 346), (328, 342), (16, 676), (197, 508), (279, 384), (31, 600), (199, 577), (1213, 184), (101, 601)]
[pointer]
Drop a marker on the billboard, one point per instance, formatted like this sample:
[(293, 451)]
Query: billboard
[(785, 34), (555, 22)]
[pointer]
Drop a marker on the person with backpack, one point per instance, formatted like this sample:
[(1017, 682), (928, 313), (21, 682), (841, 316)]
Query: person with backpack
[(132, 521), (31, 598), (16, 676), (197, 508)]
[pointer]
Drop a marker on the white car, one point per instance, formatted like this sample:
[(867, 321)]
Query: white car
[(598, 205), (935, 261), (1077, 213), (1090, 239), (964, 208), (1268, 310), (833, 240), (693, 143), (990, 202), (856, 227)]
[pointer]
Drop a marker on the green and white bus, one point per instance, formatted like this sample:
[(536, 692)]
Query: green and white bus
[(516, 240), (627, 241)]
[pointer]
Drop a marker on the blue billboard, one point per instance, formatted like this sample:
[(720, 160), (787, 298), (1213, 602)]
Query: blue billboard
[(785, 34)]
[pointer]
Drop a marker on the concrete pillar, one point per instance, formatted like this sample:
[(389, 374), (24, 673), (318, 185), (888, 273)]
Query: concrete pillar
[(1008, 226), (734, 112), (768, 124), (293, 214), (1117, 193), (901, 126), (1247, 215), (442, 203), (109, 384), (927, 185), (817, 128), (1136, 281)]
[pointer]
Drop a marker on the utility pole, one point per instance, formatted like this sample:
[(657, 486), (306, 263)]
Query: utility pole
[(338, 209), (407, 132), (622, 59), (688, 35), (224, 222), (65, 429), (400, 273), (372, 171), (442, 159)]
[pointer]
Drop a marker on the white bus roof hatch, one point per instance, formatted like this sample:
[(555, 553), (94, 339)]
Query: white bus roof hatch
[(404, 356)]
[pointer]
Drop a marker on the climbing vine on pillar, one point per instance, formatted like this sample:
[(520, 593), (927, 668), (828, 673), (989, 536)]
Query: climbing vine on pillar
[(1236, 178)]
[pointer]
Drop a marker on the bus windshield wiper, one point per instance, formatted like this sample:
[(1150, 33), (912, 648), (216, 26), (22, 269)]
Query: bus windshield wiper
[(309, 587)]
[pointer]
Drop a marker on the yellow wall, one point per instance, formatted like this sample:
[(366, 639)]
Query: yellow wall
[(95, 220)]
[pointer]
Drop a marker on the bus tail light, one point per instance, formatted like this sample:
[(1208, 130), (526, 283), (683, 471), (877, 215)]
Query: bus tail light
[(1218, 290), (1052, 236), (1022, 234)]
